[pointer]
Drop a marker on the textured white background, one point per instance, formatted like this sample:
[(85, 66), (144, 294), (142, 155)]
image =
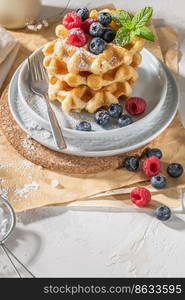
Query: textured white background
[(59, 242)]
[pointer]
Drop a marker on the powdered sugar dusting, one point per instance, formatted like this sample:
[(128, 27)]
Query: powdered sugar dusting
[(27, 188), (26, 143)]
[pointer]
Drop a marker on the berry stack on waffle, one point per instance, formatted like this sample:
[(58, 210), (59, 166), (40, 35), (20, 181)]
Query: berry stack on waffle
[(87, 68)]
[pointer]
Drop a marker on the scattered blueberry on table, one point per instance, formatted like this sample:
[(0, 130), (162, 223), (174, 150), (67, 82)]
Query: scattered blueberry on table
[(158, 181), (163, 213), (131, 163), (154, 152), (175, 170)]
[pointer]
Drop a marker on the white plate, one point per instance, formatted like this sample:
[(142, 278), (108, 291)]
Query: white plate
[(129, 139), (152, 86)]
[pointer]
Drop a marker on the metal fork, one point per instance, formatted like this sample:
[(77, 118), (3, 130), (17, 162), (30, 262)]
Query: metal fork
[(39, 86)]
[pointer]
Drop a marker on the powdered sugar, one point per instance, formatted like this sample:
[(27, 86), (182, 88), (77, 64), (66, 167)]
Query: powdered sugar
[(46, 134), (34, 125), (27, 188), (54, 183), (26, 143)]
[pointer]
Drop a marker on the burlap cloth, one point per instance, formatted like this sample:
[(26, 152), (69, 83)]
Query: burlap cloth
[(27, 186)]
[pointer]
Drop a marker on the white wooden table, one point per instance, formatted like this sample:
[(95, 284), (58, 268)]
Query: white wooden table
[(58, 242)]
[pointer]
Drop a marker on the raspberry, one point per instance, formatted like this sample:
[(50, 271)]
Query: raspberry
[(151, 166), (86, 24), (140, 196), (77, 37), (135, 105), (72, 20)]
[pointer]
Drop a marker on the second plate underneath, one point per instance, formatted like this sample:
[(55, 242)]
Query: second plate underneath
[(128, 141)]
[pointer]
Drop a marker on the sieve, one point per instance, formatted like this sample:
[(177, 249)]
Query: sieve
[(13, 260)]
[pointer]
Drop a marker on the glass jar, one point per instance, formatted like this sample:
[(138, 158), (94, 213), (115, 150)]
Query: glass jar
[(15, 13)]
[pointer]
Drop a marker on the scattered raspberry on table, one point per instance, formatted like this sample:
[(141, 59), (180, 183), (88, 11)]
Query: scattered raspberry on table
[(151, 166), (140, 196)]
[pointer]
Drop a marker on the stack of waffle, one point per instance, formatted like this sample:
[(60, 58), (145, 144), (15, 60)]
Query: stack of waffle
[(82, 80)]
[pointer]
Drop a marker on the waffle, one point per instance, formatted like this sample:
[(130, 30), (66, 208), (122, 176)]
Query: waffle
[(81, 60), (58, 68), (82, 97)]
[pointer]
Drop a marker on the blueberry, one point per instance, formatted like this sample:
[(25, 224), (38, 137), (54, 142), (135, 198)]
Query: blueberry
[(97, 45), (96, 29), (154, 152), (131, 163), (115, 110), (163, 213), (84, 126), (124, 120), (104, 18), (175, 170), (102, 117), (109, 34), (158, 181), (83, 13)]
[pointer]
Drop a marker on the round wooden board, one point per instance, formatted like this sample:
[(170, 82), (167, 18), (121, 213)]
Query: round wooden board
[(40, 155)]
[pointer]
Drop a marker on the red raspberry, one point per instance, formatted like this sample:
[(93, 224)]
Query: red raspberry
[(72, 20), (77, 37), (86, 24), (140, 196), (135, 105), (151, 166)]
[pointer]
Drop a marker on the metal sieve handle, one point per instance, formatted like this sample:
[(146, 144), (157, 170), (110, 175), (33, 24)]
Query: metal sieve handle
[(10, 255)]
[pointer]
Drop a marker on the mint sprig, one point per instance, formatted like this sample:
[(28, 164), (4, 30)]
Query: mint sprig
[(145, 33), (132, 26), (123, 36), (123, 17), (142, 17)]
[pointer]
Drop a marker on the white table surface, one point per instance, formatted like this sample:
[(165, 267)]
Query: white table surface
[(58, 242)]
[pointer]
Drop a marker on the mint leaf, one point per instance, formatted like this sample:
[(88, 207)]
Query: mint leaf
[(145, 33), (123, 37), (142, 17), (122, 18)]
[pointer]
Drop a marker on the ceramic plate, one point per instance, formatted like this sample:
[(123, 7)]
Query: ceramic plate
[(146, 130), (152, 86)]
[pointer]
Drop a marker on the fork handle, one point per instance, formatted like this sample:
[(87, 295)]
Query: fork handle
[(55, 127)]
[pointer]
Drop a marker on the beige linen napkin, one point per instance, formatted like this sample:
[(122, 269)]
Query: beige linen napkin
[(9, 47)]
